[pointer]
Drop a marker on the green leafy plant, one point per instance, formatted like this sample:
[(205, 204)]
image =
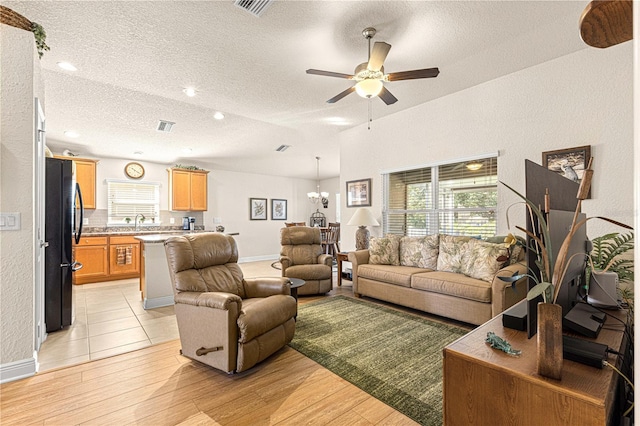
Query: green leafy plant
[(127, 219), (41, 37), (180, 166), (606, 254)]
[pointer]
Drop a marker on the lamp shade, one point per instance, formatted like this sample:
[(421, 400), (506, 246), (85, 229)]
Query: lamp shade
[(363, 217), (369, 87)]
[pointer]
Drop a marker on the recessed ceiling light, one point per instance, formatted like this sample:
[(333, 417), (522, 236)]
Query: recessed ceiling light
[(138, 152), (67, 66), (71, 134), (218, 115), (187, 150), (190, 91)]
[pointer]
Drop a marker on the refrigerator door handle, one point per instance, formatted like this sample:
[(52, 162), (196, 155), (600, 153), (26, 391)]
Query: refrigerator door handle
[(79, 232), (75, 266)]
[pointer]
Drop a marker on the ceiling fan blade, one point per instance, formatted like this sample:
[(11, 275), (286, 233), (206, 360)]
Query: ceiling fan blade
[(378, 55), (341, 95), (387, 97), (411, 75), (330, 74)]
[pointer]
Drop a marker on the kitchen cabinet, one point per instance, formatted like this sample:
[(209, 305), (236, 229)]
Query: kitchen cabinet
[(124, 257), (188, 189), (106, 258), (93, 253), (85, 170)]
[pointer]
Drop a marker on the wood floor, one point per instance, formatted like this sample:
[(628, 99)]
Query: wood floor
[(158, 386)]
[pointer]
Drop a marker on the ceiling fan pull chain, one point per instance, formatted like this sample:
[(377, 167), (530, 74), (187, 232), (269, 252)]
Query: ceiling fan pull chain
[(370, 116)]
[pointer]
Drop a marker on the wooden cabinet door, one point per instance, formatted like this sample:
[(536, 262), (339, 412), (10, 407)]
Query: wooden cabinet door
[(198, 191), (86, 178), (95, 263), (124, 256), (180, 190)]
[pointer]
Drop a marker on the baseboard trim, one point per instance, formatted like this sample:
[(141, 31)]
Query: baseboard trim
[(158, 302), (18, 370), (258, 258)]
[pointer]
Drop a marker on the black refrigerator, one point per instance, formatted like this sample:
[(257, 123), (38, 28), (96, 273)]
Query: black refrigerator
[(63, 224)]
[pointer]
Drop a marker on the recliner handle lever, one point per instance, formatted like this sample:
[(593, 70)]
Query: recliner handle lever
[(204, 351)]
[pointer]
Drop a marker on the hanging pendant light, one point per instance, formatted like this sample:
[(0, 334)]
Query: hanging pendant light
[(318, 196)]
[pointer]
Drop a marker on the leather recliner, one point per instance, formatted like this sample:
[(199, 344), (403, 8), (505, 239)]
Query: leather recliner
[(301, 257), (224, 320)]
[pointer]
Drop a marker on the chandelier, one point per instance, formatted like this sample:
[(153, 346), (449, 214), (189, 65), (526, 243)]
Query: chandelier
[(316, 196)]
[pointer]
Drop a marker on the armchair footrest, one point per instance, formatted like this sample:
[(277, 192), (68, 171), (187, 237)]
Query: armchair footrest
[(204, 351)]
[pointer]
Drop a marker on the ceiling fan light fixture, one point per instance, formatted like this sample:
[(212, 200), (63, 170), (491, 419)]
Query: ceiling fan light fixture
[(369, 88), (474, 166)]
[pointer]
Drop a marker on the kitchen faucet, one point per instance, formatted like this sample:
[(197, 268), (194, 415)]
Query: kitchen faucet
[(135, 221)]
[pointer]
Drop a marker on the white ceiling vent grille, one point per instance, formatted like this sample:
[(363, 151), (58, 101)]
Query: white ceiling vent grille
[(282, 148), (255, 7), (164, 126)]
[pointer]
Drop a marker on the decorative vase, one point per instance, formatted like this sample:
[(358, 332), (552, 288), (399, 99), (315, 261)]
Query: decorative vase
[(362, 238), (549, 362)]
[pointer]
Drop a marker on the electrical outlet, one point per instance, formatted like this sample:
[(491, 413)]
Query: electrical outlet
[(172, 220), (85, 221)]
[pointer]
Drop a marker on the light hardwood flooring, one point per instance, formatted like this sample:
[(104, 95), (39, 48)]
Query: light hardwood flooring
[(155, 385)]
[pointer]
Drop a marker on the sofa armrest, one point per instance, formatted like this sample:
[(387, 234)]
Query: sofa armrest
[(285, 262), (358, 257), (264, 287), (325, 259), (216, 300), (503, 296)]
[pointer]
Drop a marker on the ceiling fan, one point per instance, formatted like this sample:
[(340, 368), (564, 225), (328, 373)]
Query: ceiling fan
[(369, 76)]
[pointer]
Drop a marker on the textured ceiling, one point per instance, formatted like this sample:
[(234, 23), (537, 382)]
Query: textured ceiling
[(135, 58)]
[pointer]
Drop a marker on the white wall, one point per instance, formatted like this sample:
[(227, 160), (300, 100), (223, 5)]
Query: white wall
[(229, 194), (580, 99), (20, 83)]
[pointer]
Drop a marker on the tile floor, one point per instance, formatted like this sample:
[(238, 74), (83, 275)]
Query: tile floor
[(110, 320)]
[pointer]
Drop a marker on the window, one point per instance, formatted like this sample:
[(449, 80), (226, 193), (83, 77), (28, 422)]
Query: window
[(449, 199), (127, 199)]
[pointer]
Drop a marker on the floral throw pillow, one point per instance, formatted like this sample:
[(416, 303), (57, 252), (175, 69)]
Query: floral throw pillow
[(421, 252), (385, 250), (452, 253), (484, 259)]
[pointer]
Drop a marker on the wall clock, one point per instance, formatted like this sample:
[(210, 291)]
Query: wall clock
[(134, 170)]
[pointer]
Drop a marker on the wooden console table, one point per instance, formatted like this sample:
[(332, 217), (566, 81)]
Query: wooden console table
[(485, 386)]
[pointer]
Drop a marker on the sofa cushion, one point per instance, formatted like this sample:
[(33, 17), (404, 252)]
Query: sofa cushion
[(452, 253), (309, 272), (515, 251), (396, 275), (421, 252), (384, 250), (453, 284), (482, 259)]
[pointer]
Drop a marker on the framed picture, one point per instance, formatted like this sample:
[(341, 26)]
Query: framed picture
[(569, 163), (278, 209), (258, 208), (359, 193)]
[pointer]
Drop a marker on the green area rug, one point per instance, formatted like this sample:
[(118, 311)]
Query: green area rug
[(393, 356)]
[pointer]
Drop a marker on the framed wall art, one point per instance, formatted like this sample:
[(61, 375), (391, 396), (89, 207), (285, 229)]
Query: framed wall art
[(359, 193), (569, 163), (278, 209), (258, 208)]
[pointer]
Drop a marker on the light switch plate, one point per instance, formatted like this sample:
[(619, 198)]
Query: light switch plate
[(85, 221), (172, 220), (10, 221)]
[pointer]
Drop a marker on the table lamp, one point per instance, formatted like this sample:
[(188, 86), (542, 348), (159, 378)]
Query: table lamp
[(362, 217)]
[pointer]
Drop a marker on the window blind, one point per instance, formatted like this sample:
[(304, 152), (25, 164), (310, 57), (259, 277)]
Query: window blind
[(449, 199), (127, 199)]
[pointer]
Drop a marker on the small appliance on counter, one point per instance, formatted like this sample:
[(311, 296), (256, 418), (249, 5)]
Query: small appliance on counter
[(185, 223), (192, 223)]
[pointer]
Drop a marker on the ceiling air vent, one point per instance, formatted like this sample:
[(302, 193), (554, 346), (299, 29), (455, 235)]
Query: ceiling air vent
[(282, 148), (164, 126), (255, 7)]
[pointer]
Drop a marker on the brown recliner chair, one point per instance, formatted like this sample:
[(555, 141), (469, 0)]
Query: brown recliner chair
[(224, 320), (301, 257)]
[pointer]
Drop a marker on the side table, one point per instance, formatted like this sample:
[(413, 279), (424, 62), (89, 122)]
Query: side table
[(295, 284), (341, 257)]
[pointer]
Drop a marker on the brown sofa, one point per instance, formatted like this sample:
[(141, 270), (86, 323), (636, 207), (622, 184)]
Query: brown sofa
[(224, 320), (413, 279), (301, 257)]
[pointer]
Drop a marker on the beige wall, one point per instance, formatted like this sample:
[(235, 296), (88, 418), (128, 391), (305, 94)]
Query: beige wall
[(580, 99), (20, 83)]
